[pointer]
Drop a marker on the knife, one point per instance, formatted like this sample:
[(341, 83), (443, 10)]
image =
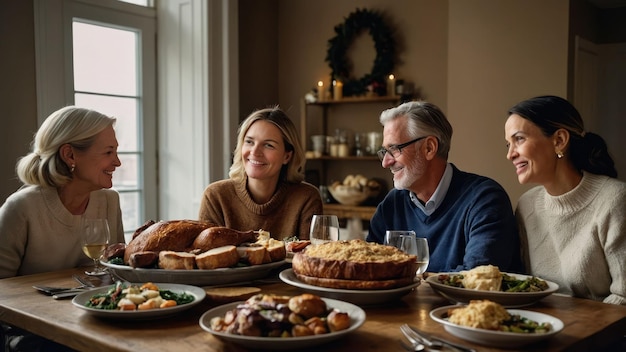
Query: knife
[(67, 294)]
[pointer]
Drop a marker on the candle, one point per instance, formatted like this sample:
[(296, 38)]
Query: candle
[(391, 86), (320, 91), (337, 90)]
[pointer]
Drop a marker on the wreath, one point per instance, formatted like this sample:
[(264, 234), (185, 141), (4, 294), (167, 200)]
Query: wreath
[(347, 32)]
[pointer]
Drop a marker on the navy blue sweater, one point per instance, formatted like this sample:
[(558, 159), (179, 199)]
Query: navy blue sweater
[(474, 225)]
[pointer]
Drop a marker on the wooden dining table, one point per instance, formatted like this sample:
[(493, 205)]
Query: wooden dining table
[(589, 325)]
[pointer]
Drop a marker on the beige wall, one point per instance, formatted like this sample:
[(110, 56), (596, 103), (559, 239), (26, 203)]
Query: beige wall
[(500, 52), (474, 59), (17, 88)]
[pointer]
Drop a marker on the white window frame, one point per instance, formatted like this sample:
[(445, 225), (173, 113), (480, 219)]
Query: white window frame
[(213, 111), (54, 69)]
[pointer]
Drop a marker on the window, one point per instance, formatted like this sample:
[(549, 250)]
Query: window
[(109, 66), (139, 2), (105, 67)]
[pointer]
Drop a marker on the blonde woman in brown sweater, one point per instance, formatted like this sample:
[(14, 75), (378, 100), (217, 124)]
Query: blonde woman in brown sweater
[(266, 188)]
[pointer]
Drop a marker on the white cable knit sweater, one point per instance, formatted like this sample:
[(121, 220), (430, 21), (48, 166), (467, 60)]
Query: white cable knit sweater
[(578, 239)]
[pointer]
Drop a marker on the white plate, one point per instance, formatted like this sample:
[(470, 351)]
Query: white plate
[(197, 292), (507, 299), (195, 277), (500, 339), (357, 318), (360, 297)]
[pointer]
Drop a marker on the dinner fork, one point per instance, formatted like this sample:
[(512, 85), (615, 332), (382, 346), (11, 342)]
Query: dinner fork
[(415, 340), (431, 342)]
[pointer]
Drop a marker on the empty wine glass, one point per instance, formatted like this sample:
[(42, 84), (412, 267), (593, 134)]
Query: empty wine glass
[(407, 242), (95, 238), (324, 228)]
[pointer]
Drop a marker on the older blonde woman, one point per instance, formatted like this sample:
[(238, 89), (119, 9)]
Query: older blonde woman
[(266, 188), (66, 177)]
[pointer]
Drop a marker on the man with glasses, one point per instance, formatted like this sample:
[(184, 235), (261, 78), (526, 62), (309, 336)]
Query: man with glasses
[(467, 218)]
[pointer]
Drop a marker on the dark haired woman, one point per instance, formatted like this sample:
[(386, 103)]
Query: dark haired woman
[(573, 226), (266, 188)]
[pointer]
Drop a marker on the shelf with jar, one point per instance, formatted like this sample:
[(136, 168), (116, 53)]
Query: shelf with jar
[(335, 149)]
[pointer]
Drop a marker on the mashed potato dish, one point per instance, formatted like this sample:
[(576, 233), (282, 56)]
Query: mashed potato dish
[(484, 278), (480, 314)]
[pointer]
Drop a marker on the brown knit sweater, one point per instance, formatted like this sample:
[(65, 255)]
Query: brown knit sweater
[(287, 213)]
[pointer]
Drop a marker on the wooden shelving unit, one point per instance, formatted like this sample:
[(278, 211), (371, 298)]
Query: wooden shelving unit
[(349, 211), (326, 162)]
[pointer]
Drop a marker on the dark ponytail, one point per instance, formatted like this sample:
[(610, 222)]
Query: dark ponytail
[(591, 154)]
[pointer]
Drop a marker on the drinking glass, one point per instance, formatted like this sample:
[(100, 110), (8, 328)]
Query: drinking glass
[(423, 254), (324, 228), (95, 238), (407, 242)]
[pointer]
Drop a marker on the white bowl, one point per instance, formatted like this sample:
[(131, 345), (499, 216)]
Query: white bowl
[(507, 299), (498, 338), (347, 195)]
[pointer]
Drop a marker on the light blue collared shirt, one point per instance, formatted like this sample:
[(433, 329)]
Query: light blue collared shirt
[(435, 200)]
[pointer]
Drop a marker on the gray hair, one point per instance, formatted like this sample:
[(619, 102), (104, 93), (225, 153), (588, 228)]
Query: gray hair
[(423, 118)]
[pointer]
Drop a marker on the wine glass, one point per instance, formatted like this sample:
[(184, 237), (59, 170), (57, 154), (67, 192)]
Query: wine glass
[(324, 228), (95, 238), (407, 242), (423, 254)]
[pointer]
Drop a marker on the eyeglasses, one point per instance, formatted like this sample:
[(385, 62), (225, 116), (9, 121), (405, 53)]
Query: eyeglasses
[(396, 150)]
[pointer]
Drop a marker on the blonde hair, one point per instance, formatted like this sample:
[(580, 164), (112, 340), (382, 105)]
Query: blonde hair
[(293, 171), (69, 125)]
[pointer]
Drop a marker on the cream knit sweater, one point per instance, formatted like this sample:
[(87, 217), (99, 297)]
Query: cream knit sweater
[(38, 234), (578, 239)]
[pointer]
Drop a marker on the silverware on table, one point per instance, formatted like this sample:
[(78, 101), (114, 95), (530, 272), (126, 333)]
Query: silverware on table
[(68, 294), (413, 345), (83, 281), (430, 341), (50, 290)]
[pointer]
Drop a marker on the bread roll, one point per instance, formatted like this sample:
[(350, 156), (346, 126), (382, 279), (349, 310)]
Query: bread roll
[(275, 248), (171, 260), (307, 305), (253, 254), (220, 257)]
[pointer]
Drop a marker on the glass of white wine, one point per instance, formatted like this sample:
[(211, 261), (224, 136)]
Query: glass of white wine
[(408, 242), (95, 238)]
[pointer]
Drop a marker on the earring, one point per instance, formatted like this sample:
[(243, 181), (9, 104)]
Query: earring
[(72, 168), (559, 154)]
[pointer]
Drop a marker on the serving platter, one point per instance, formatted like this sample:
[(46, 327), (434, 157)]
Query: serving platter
[(357, 318), (198, 293), (506, 299), (359, 297), (194, 277), (501, 339)]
